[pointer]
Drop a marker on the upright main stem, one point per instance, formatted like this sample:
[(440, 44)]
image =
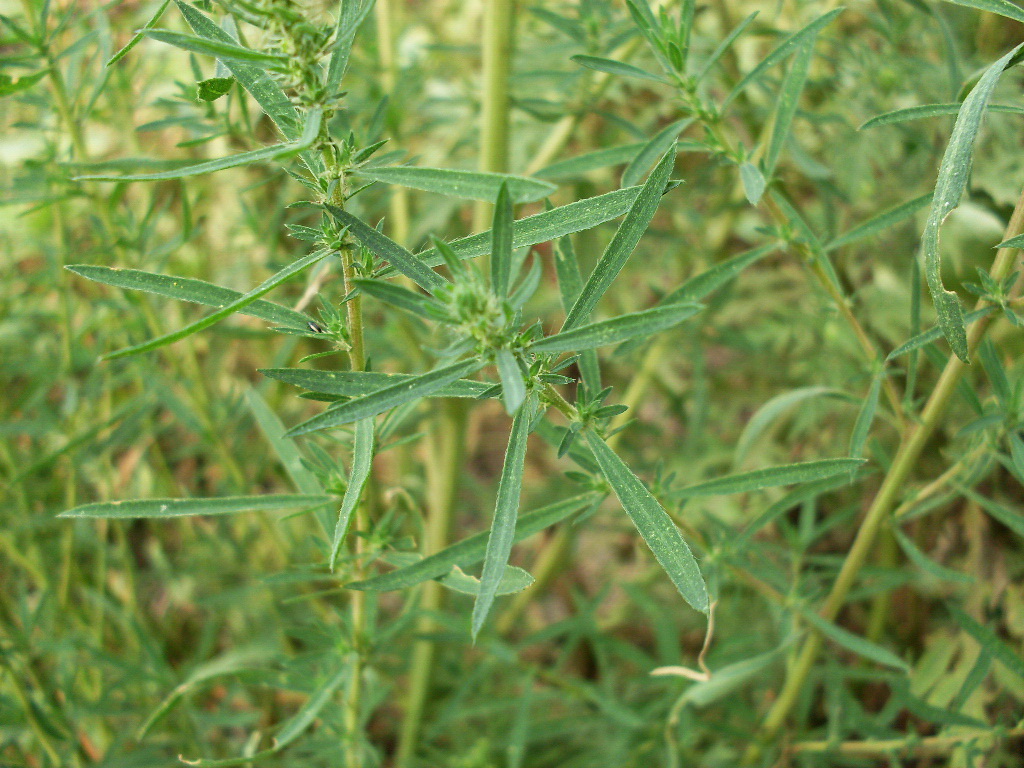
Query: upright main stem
[(447, 440), (910, 449)]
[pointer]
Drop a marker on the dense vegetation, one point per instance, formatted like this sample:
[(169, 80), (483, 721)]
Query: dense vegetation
[(482, 384)]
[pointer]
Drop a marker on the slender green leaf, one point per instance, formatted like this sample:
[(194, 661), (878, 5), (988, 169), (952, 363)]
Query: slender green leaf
[(471, 550), (866, 416), (995, 371), (359, 383), (549, 225), (622, 328), (512, 580), (780, 53), (501, 244), (788, 101), (652, 151), (140, 34), (257, 82), (219, 49), (1010, 518), (931, 110), (307, 715), (1013, 242), (770, 477), (286, 450), (876, 224), (949, 188), (618, 68), (926, 564), (933, 334), (513, 388), (506, 510), (387, 249), (266, 154), (653, 523), (236, 306), (710, 280), (362, 463), (855, 643), (754, 182), (189, 289), (1017, 453), (350, 18), (1002, 7), (385, 399), (590, 161), (468, 185), (225, 505), (570, 283), (990, 642), (9, 86), (622, 244), (728, 679), (723, 46), (401, 297), (767, 414)]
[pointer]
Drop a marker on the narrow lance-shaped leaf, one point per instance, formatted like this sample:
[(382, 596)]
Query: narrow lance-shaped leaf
[(387, 249), (653, 523), (989, 641), (471, 550), (930, 110), (754, 182), (855, 643), (934, 334), (513, 388), (350, 18), (953, 174), (191, 290), (788, 101), (926, 564), (219, 49), (140, 34), (501, 244), (388, 398), (266, 154), (468, 185), (225, 505), (723, 47), (401, 297), (570, 284), (541, 227), (618, 68), (780, 52), (771, 477), (623, 243), (359, 383), (590, 161), (286, 450), (506, 510), (622, 328), (257, 82), (263, 288), (713, 278), (862, 426), (876, 224), (362, 463), (652, 151), (1002, 7)]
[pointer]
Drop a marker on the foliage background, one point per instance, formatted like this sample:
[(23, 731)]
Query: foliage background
[(129, 643)]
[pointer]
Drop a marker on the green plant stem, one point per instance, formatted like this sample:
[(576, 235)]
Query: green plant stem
[(907, 455), (398, 204), (498, 32), (917, 746), (447, 455)]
